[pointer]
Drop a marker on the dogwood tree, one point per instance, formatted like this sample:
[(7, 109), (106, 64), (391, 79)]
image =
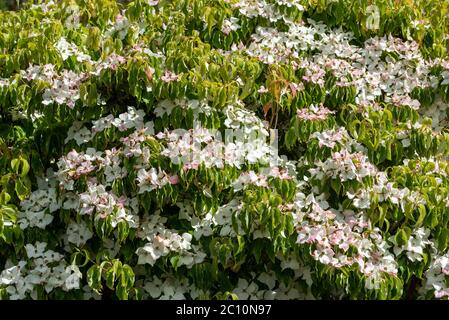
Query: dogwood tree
[(212, 149)]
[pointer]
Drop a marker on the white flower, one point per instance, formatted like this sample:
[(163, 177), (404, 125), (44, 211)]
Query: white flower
[(127, 120), (35, 251), (73, 280), (154, 287), (186, 259), (102, 123), (78, 233), (82, 136), (172, 293), (230, 25), (202, 228), (244, 290), (165, 107), (10, 275), (267, 279), (180, 242), (151, 252), (417, 241), (67, 49), (52, 256)]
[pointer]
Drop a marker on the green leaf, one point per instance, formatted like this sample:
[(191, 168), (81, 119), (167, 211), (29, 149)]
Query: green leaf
[(112, 273), (92, 96), (4, 197), (23, 188), (401, 237), (93, 38), (127, 277), (121, 293), (94, 278), (443, 239), (122, 230), (20, 166), (174, 262), (422, 214), (336, 185)]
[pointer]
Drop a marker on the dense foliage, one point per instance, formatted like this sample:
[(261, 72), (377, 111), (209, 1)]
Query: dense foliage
[(251, 149)]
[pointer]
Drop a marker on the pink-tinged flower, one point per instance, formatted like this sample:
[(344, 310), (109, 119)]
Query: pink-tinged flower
[(441, 293), (280, 173), (121, 201), (401, 100), (118, 18), (314, 113), (329, 138), (114, 60), (238, 47), (85, 168), (190, 166), (149, 73), (295, 87), (344, 83), (445, 270), (174, 179), (230, 25), (169, 77), (262, 89)]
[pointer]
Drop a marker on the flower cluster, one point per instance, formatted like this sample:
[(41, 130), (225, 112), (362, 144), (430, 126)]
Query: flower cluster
[(203, 146), (169, 76), (111, 62), (334, 232), (331, 138), (415, 245), (230, 25), (45, 267), (64, 86), (138, 152), (314, 113), (372, 73), (78, 233), (162, 241), (67, 50), (154, 179), (437, 112), (436, 277), (261, 179), (75, 165), (37, 209), (344, 166), (384, 190)]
